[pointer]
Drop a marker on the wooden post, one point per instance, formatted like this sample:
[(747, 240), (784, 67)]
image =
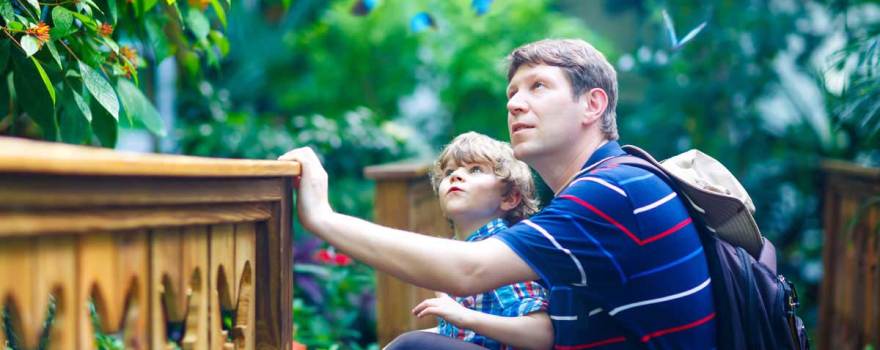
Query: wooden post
[(404, 200), (849, 303)]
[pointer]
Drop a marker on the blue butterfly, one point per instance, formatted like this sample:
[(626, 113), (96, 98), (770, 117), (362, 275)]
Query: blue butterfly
[(363, 7), (481, 6), (673, 39), (421, 21)]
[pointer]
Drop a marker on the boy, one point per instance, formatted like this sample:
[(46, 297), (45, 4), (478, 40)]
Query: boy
[(482, 189)]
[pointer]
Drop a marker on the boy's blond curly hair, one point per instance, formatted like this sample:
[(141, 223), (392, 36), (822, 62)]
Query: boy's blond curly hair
[(472, 147)]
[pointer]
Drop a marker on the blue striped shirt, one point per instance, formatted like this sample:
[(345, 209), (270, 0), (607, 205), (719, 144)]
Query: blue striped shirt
[(512, 300), (623, 260)]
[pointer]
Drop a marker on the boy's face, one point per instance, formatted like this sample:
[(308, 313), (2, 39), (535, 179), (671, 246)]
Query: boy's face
[(542, 117), (471, 192)]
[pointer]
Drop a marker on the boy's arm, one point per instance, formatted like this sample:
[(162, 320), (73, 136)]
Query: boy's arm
[(461, 268), (531, 331)]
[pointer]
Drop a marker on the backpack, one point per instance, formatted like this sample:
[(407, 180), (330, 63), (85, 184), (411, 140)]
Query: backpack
[(755, 306)]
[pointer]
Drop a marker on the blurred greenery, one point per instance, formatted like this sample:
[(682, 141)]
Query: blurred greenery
[(70, 69), (768, 87)]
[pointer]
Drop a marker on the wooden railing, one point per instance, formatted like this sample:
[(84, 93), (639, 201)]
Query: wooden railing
[(405, 200), (167, 250), (849, 316)]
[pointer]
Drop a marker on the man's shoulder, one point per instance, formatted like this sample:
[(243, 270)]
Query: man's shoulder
[(624, 180)]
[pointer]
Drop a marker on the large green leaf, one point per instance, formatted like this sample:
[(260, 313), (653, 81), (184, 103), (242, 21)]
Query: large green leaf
[(198, 23), (220, 41), (137, 106), (6, 11), (54, 51), (30, 45), (104, 126), (62, 19), (221, 13), (45, 79), (158, 40), (111, 9), (83, 105), (36, 6), (34, 95), (101, 89)]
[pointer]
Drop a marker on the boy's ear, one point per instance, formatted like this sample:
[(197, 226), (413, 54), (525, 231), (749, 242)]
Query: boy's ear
[(510, 201)]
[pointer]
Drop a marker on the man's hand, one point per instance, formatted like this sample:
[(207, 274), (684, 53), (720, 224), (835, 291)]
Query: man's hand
[(312, 203), (447, 308)]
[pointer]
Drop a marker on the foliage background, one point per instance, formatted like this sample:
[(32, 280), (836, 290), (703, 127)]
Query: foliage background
[(768, 87)]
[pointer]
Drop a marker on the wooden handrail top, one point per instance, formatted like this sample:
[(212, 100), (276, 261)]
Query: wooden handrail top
[(408, 169), (850, 169), (27, 156)]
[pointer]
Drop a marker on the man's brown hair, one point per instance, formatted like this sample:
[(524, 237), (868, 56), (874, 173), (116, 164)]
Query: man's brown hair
[(585, 67)]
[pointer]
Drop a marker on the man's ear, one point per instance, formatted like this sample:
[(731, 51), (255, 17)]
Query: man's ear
[(510, 201), (595, 102)]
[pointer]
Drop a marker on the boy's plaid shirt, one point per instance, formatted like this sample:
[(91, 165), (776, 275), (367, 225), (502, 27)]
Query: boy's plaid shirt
[(512, 300)]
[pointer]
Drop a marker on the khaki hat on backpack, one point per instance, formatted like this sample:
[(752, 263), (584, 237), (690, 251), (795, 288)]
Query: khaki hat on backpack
[(714, 194)]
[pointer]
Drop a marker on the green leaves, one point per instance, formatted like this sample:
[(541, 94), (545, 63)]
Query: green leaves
[(137, 106), (100, 89), (221, 14), (6, 11), (82, 105), (35, 93), (198, 23), (45, 79), (63, 20), (36, 5), (84, 58)]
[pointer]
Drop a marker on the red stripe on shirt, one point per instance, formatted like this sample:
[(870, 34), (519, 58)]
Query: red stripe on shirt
[(663, 332), (591, 345), (602, 215), (668, 232), (632, 236)]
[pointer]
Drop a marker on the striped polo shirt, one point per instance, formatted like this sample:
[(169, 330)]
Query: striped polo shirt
[(622, 258)]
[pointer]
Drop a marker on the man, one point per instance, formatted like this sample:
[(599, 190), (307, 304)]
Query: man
[(615, 246)]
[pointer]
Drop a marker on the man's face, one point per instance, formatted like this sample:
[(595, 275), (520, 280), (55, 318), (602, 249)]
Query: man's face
[(542, 117)]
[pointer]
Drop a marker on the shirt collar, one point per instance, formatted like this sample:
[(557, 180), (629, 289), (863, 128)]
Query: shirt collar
[(610, 149), (488, 230)]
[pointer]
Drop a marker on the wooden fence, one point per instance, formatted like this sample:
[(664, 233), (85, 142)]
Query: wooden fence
[(168, 251), (404, 200), (849, 315)]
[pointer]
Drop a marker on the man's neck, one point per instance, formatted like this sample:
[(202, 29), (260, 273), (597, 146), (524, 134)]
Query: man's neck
[(558, 172)]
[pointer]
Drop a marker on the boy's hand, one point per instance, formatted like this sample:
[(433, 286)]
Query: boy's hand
[(447, 308), (312, 203)]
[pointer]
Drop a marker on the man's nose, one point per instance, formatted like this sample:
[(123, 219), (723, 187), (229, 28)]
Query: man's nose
[(516, 105)]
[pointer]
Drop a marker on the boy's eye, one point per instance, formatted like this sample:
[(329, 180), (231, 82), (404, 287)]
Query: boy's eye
[(476, 169), (538, 84), (447, 172)]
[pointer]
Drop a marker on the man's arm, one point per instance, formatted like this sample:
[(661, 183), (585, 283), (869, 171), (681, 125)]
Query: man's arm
[(460, 268), (531, 331)]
